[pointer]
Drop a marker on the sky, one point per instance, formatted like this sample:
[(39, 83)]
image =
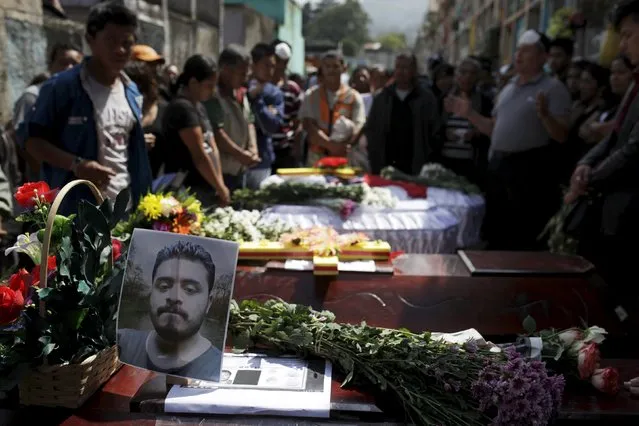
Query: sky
[(394, 16)]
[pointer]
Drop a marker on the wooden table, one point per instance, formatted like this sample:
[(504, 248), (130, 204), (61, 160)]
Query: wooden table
[(489, 291)]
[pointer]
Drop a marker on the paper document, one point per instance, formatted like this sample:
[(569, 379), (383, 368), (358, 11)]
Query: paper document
[(253, 384)]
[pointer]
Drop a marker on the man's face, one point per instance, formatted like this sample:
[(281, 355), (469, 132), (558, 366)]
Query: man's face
[(112, 46), (264, 68), (629, 43), (64, 60), (332, 69), (361, 81), (234, 76), (529, 59), (404, 70), (558, 61), (180, 299)]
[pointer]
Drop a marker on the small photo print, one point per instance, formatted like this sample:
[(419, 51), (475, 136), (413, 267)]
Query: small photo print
[(174, 305)]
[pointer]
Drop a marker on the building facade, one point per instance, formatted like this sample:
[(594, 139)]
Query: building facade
[(176, 28), (287, 15), (491, 28), (246, 27)]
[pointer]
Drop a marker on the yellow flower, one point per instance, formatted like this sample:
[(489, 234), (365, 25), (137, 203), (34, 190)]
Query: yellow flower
[(151, 206), (193, 205)]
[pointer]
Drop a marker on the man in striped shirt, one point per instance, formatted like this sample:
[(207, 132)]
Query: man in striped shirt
[(286, 142)]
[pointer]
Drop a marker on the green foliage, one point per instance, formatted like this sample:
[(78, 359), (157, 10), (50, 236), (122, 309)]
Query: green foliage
[(558, 241), (435, 176), (393, 41), (336, 22), (295, 193), (81, 297), (409, 373), (350, 47)]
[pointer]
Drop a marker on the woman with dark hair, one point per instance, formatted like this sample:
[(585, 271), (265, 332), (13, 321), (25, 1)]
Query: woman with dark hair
[(190, 146), (153, 108), (602, 122), (593, 84)]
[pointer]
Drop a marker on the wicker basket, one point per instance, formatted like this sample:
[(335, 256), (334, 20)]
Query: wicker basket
[(68, 385)]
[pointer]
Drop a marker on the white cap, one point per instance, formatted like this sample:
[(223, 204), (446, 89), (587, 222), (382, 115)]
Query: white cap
[(529, 37), (283, 51)]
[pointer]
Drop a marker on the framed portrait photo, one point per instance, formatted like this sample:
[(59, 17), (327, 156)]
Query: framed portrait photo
[(174, 305)]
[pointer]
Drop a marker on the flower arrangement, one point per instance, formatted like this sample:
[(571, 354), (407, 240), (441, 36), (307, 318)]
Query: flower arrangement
[(423, 380), (180, 213), (575, 352), (73, 316), (296, 193), (242, 226), (433, 175), (322, 240), (331, 163)]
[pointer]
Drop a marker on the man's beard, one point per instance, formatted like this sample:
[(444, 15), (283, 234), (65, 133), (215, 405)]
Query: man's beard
[(170, 329)]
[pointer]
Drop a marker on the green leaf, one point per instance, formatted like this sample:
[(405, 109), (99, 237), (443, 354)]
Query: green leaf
[(43, 293), (241, 341), (75, 318), (48, 348), (119, 207), (348, 379), (84, 288), (529, 324)]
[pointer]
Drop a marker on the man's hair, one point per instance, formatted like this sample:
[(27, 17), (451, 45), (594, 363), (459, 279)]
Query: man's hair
[(233, 55), (109, 12), (140, 73), (261, 51), (59, 48), (189, 251), (565, 44), (407, 54), (39, 79), (472, 60), (443, 70), (624, 9), (333, 54)]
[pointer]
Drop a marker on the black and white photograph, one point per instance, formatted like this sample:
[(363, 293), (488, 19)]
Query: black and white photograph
[(174, 306)]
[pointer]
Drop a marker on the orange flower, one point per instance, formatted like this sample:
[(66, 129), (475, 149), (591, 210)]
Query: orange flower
[(182, 224)]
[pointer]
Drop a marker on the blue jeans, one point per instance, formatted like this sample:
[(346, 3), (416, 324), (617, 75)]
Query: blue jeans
[(254, 177)]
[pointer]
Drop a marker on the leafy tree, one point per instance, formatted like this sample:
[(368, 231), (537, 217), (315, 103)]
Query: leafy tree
[(393, 41), (350, 47), (336, 22)]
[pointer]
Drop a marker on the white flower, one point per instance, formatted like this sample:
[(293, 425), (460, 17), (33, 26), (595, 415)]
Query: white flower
[(29, 244), (169, 204), (595, 334)]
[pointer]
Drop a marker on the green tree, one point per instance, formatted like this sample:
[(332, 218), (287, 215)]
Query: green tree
[(393, 41), (350, 47), (336, 22)]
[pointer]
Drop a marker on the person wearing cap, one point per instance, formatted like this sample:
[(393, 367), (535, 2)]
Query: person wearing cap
[(328, 104), (286, 140), (530, 113), (148, 55)]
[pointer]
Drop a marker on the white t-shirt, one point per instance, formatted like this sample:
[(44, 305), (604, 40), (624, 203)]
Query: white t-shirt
[(115, 120)]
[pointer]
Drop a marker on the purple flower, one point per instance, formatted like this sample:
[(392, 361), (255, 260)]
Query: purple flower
[(470, 346), (348, 206), (519, 392), (161, 226)]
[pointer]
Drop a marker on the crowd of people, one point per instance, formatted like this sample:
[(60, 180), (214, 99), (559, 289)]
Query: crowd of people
[(123, 118)]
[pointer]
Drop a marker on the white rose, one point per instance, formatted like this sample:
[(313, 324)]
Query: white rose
[(595, 334)]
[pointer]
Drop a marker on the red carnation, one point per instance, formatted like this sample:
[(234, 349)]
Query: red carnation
[(11, 304), (117, 249), (331, 163), (28, 193)]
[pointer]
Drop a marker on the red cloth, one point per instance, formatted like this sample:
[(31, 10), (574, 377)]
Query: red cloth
[(414, 190), (626, 106)]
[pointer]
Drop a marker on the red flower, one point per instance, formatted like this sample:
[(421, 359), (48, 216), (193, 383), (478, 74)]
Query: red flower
[(21, 281), (11, 304), (394, 255), (606, 380), (331, 163), (117, 249), (587, 360), (35, 274), (27, 194)]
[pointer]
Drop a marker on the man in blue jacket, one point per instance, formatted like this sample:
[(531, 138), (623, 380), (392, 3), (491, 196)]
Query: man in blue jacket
[(267, 103), (86, 122)]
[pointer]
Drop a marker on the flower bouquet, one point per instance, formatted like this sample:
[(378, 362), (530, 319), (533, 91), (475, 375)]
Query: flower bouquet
[(57, 319), (323, 240), (415, 377), (435, 176), (182, 213)]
